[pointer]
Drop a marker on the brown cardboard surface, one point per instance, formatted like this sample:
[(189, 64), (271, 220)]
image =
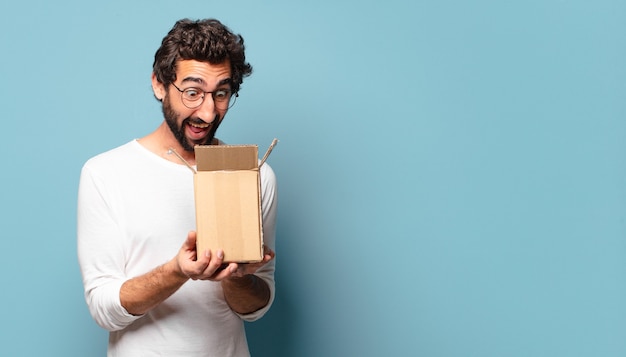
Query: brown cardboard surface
[(226, 157), (228, 205)]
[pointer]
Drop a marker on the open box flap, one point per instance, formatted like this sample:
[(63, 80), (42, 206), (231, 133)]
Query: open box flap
[(222, 157), (226, 157)]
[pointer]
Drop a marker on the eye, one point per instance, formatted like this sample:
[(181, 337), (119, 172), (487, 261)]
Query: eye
[(221, 94), (193, 94)]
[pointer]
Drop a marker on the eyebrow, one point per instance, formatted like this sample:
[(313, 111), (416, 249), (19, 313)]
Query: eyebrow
[(202, 82)]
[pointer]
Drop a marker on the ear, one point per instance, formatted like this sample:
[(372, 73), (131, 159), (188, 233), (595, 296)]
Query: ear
[(157, 88)]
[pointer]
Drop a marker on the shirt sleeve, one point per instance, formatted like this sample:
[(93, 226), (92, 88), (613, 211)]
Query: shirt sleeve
[(101, 252), (269, 207)]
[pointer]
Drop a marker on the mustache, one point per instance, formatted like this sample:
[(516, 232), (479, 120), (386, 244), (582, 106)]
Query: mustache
[(199, 121)]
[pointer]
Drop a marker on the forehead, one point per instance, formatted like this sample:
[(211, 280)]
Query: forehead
[(203, 73)]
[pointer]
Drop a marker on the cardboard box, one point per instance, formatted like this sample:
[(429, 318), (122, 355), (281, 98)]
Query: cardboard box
[(227, 189)]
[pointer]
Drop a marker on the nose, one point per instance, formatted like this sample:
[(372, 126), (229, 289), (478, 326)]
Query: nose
[(207, 111)]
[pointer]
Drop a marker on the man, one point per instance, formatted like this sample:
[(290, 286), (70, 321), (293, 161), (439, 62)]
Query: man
[(144, 280)]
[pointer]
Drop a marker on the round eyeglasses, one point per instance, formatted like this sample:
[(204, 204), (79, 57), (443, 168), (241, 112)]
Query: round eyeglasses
[(194, 97)]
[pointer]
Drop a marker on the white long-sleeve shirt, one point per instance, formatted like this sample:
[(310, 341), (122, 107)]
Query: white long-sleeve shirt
[(135, 210)]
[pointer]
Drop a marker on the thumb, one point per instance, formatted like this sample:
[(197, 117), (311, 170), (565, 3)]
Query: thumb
[(190, 243)]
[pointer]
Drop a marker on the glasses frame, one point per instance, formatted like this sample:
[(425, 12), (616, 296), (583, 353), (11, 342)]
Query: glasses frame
[(231, 100)]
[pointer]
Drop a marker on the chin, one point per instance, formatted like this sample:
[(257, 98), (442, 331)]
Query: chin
[(192, 143)]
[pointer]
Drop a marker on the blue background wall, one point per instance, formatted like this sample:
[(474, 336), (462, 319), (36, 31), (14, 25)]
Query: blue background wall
[(452, 173)]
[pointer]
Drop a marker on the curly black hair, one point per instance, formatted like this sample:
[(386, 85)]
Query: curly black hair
[(205, 40)]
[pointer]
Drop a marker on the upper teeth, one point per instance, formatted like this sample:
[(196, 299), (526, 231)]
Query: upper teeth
[(198, 125)]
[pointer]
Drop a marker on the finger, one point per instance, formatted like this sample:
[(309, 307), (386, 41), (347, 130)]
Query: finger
[(228, 270), (195, 269), (190, 263), (203, 258), (215, 263), (189, 245), (266, 258)]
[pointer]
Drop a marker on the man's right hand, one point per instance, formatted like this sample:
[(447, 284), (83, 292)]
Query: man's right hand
[(206, 265)]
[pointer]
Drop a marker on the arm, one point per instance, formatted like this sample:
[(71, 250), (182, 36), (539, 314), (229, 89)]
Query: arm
[(100, 252), (245, 292), (143, 293), (115, 299)]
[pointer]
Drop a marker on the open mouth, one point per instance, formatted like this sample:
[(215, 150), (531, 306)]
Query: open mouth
[(197, 130), (201, 125)]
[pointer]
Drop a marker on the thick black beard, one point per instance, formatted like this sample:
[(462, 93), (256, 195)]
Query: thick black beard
[(179, 131)]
